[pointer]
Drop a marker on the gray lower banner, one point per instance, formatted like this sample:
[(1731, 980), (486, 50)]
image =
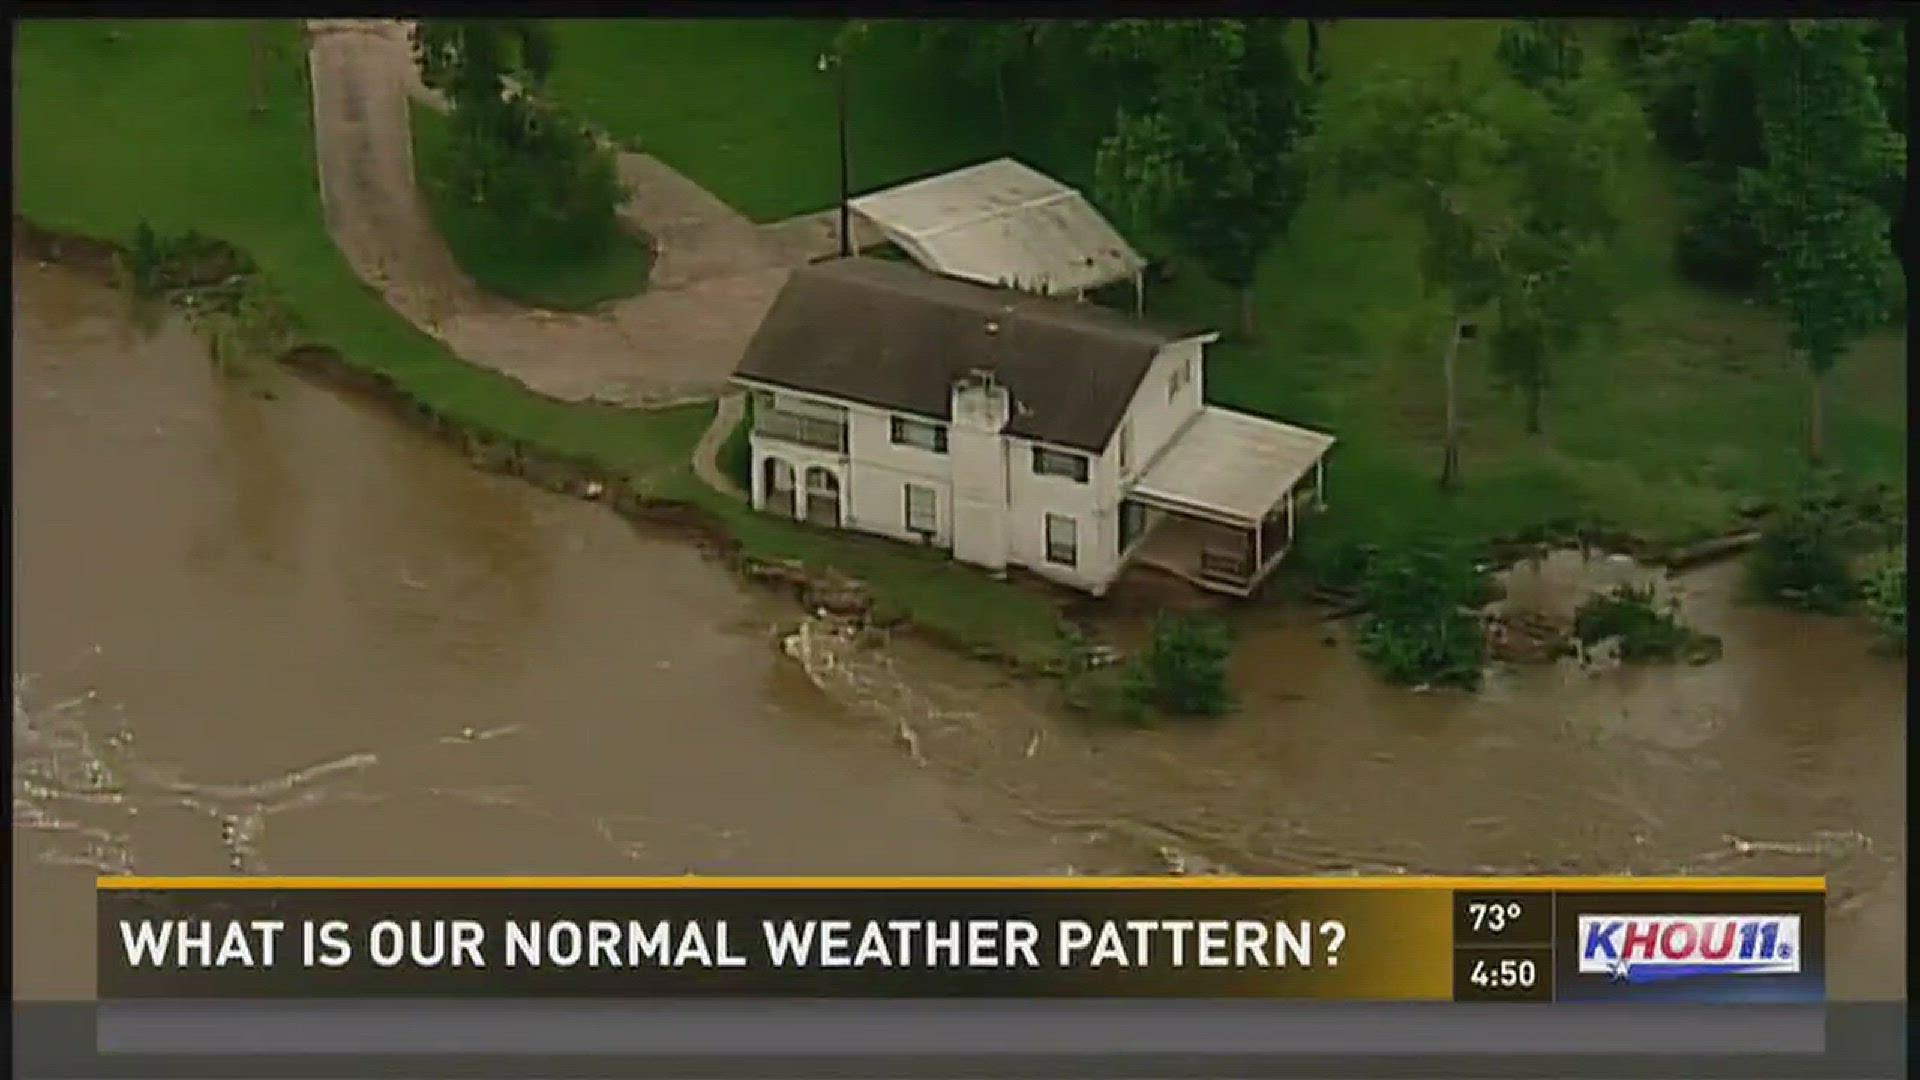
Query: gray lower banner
[(799, 1028), (823, 1039)]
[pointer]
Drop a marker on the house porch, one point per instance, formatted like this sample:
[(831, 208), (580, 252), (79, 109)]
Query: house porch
[(1224, 500)]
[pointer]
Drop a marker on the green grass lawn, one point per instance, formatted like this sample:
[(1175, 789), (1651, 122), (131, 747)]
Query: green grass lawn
[(742, 107), (1694, 406), (498, 261), (123, 121)]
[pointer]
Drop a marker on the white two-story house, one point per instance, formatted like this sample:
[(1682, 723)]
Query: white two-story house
[(1014, 431)]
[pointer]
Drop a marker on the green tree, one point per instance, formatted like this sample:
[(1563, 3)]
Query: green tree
[(1211, 161), (536, 169), (986, 54), (1316, 28), (1436, 140), (1540, 54), (1555, 290), (1830, 152)]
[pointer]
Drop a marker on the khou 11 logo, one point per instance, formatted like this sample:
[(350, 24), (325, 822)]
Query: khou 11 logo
[(1659, 948)]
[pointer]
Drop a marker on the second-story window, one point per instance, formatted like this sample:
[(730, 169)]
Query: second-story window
[(1060, 463), (924, 434), (1182, 374), (1126, 447)]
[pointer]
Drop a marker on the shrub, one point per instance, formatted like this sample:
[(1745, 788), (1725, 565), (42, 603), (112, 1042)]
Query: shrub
[(1440, 650), (1184, 670), (1333, 562), (1801, 559), (1884, 592), (1418, 628), (1645, 629)]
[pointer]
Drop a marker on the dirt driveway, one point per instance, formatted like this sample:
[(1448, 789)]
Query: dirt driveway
[(714, 277)]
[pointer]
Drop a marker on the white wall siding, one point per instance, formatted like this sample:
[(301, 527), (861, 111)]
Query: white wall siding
[(1034, 496), (1153, 417), (879, 504), (988, 478)]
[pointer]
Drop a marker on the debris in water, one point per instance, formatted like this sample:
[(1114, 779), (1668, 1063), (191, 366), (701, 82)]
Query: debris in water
[(593, 489), (411, 582), (472, 734), (1033, 744)]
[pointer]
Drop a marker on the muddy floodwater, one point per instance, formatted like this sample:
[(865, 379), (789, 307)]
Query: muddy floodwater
[(286, 634)]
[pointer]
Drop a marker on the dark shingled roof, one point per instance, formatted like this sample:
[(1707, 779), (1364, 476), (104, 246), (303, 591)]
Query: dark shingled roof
[(892, 335)]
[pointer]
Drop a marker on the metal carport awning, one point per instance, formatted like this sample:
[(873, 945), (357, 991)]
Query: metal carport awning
[(1003, 223)]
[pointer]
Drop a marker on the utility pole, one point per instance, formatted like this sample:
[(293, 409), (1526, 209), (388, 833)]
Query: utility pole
[(838, 62)]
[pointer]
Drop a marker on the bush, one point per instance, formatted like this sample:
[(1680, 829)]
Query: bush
[(1333, 562), (1184, 670), (1645, 629), (1801, 559), (1419, 629), (1884, 593), (1440, 650)]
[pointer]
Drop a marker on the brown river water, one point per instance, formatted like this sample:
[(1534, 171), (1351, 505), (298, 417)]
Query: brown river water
[(286, 634)]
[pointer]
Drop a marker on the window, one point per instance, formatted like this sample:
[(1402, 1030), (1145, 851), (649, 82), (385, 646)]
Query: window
[(1182, 375), (1060, 463), (1063, 540), (921, 515), (1126, 447), (924, 434)]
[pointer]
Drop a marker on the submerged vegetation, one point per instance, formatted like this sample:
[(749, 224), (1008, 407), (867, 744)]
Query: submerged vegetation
[(1421, 627), (1883, 591), (1806, 553), (245, 322), (1645, 628), (1181, 672)]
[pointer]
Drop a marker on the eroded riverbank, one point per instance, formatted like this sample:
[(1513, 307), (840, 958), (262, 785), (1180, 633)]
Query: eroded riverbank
[(291, 635), (316, 641)]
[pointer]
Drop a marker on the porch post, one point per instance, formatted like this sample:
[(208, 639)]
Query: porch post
[(1289, 519), (1320, 484), (1139, 292), (1259, 556)]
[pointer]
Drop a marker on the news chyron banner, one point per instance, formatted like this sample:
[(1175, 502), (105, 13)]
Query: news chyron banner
[(1348, 939)]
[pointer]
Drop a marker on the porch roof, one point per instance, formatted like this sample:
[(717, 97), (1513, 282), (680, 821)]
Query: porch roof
[(1230, 465)]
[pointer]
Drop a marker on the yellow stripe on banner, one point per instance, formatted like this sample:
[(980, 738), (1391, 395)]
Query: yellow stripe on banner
[(1477, 884)]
